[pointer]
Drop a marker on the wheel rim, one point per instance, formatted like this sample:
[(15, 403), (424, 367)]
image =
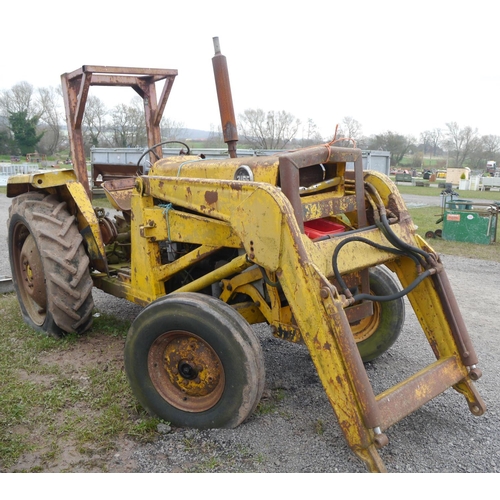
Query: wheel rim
[(29, 274), (366, 327), (186, 371)]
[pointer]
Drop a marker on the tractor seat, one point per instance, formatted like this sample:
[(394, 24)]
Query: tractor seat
[(119, 192)]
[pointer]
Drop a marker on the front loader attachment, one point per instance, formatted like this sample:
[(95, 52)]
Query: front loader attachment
[(302, 286)]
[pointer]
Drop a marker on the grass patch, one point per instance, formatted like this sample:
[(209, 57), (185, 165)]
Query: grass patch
[(269, 404), (64, 394), (319, 427), (434, 191), (101, 201)]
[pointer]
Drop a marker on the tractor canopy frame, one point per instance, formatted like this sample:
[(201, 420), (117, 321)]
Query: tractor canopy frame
[(76, 86)]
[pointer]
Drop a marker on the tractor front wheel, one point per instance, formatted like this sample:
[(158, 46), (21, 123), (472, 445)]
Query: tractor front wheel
[(194, 362)]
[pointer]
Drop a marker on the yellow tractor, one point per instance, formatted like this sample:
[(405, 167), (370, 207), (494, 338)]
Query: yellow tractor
[(321, 253)]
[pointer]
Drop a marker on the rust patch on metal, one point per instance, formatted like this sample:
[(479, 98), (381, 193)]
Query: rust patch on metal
[(186, 371), (211, 197)]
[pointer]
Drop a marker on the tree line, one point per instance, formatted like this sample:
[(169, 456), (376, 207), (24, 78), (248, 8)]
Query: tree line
[(32, 120)]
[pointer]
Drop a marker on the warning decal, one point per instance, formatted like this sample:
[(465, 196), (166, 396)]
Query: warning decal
[(453, 217)]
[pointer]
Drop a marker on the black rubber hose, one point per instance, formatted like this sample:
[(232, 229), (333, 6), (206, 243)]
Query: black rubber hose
[(266, 278), (397, 242), (393, 250), (384, 226), (161, 144), (402, 293)]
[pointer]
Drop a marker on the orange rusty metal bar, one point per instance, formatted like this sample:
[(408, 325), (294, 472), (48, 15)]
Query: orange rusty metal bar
[(76, 87), (224, 96), (291, 163), (165, 93), (75, 91), (455, 320), (403, 399), (147, 90), (157, 73)]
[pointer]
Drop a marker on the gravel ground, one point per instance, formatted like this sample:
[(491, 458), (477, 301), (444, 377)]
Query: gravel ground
[(295, 429)]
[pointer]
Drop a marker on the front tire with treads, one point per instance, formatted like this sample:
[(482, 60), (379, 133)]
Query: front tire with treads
[(50, 268)]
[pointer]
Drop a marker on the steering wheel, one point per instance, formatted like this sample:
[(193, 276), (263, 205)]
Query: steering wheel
[(152, 150)]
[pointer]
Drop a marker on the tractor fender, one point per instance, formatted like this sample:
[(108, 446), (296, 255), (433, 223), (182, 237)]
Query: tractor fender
[(66, 185)]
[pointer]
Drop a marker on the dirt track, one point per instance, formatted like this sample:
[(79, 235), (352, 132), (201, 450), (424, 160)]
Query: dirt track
[(298, 431)]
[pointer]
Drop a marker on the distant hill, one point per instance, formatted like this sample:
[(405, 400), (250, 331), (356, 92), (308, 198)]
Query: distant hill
[(195, 134)]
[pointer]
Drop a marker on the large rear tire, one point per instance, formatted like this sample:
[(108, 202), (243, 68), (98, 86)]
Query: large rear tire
[(50, 268), (194, 362), (375, 334)]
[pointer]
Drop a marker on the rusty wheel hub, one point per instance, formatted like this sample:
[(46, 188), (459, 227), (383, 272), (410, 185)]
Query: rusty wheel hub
[(186, 371), (32, 272), (366, 327)]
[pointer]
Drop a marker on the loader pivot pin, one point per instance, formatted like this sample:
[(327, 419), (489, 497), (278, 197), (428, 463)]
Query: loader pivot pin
[(380, 439)]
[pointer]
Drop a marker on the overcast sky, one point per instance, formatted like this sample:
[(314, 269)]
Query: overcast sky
[(405, 66)]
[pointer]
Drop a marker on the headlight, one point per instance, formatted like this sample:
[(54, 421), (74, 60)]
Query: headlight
[(243, 173)]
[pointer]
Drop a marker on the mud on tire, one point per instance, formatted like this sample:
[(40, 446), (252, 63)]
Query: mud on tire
[(50, 268)]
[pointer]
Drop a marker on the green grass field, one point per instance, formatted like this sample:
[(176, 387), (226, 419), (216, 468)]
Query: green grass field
[(432, 191)]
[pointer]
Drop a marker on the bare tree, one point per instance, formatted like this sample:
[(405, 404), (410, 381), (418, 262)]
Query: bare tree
[(485, 148), (19, 99), (171, 129), (431, 140), (348, 132), (461, 142), (310, 134), (352, 128), (128, 125), (397, 144), (94, 122), (436, 136), (268, 130), (425, 138), (491, 145), (216, 137), (49, 102)]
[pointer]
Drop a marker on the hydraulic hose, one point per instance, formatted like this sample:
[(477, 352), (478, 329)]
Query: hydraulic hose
[(383, 224), (397, 242), (402, 293), (393, 250), (400, 247)]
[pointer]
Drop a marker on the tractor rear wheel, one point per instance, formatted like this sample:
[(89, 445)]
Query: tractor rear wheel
[(50, 268), (194, 362), (376, 333)]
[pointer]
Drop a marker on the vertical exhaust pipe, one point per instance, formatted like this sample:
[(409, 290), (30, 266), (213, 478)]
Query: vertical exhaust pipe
[(225, 99)]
